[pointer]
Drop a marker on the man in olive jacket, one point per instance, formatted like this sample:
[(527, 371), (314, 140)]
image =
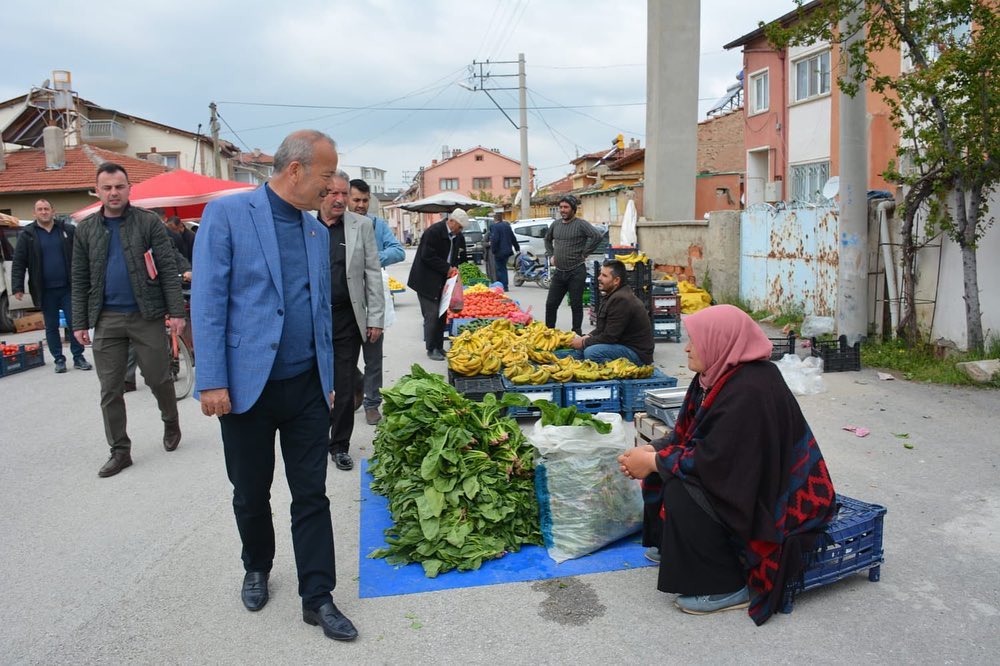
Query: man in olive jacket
[(125, 282)]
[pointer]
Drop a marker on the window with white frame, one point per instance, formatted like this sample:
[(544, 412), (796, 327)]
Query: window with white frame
[(170, 160), (482, 183), (806, 181), (759, 92), (449, 183), (812, 76), (510, 183)]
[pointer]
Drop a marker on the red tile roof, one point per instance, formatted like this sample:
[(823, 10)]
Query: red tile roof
[(26, 171)]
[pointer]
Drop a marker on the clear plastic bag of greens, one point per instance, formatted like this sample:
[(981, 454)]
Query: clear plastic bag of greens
[(584, 500)]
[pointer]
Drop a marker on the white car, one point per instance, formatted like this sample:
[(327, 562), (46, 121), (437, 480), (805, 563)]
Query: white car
[(530, 234)]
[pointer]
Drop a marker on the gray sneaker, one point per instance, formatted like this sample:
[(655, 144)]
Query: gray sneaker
[(714, 603), (652, 554)]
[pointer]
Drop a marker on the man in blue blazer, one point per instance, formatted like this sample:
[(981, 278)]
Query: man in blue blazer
[(260, 311)]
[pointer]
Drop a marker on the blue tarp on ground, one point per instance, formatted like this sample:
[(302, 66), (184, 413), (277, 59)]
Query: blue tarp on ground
[(379, 579)]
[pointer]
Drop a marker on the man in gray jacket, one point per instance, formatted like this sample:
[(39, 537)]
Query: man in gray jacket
[(125, 281), (357, 303)]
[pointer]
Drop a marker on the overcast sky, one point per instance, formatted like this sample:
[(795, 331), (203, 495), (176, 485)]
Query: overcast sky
[(266, 63)]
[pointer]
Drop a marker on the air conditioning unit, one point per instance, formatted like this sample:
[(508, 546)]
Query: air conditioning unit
[(772, 191)]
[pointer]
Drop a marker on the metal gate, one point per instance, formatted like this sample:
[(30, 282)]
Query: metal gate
[(788, 257)]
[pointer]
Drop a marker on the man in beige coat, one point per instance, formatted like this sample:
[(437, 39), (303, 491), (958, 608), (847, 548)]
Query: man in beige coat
[(357, 303)]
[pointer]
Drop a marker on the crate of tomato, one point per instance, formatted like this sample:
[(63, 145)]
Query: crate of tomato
[(18, 358), (488, 304)]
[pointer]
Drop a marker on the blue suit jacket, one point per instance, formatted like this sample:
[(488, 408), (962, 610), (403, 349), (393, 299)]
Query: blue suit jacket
[(236, 296)]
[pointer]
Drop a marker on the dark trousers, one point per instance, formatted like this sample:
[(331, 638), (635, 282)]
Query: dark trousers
[(573, 281), (297, 409), (346, 348), (112, 336), (54, 300), (433, 323), (372, 352), (697, 554), (500, 271)]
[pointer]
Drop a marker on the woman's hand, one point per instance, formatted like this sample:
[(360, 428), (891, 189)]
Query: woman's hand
[(638, 462)]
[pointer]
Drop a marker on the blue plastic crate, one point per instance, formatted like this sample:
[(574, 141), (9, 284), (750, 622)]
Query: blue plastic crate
[(593, 397), (667, 327), (553, 392), (634, 391), (852, 543)]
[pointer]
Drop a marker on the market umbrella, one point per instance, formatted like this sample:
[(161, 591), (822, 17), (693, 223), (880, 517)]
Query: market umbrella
[(443, 202), (629, 220), (178, 192)]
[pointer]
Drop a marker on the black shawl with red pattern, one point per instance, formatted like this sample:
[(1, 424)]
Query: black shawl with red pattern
[(747, 445)]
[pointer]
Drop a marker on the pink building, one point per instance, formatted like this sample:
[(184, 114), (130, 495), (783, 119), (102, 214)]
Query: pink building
[(473, 172)]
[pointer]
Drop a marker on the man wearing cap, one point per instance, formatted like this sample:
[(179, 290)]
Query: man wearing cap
[(441, 250), (567, 243)]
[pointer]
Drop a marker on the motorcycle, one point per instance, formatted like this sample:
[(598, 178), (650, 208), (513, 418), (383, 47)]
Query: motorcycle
[(530, 269)]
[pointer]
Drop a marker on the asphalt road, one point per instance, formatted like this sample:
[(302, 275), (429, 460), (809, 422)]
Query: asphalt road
[(144, 567)]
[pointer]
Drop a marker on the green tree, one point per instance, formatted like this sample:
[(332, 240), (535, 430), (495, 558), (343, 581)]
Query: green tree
[(484, 211), (944, 106)]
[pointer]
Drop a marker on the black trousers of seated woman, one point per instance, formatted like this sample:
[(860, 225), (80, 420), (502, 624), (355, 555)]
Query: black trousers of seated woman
[(697, 554)]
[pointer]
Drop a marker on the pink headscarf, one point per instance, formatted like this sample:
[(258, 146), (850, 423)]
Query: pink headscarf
[(724, 336)]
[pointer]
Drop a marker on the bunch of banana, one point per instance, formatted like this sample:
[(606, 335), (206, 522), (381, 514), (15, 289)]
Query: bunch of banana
[(542, 356), (396, 285), (516, 355), (561, 372), (632, 258), (624, 369), (491, 365), (466, 363)]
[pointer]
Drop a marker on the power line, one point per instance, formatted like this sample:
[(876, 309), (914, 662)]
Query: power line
[(587, 115), (375, 107), (245, 145)]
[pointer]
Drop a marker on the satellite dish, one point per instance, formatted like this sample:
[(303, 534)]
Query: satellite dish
[(832, 187)]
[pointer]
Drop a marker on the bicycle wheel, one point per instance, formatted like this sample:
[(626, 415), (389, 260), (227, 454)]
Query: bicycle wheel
[(182, 369)]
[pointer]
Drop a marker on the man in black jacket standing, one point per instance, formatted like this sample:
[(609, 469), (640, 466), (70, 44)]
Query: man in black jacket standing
[(441, 249), (45, 250), (568, 242)]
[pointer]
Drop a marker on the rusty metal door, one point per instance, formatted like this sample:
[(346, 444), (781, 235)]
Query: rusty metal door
[(788, 258)]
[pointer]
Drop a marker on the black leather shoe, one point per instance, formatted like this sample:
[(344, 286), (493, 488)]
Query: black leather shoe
[(334, 624), (254, 592), (435, 355), (343, 461), (80, 363), (171, 435), (60, 366), (116, 463)]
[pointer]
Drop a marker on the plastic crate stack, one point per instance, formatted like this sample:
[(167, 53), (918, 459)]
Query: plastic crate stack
[(837, 355), (477, 386), (666, 309), (640, 280), (782, 346), (553, 392)]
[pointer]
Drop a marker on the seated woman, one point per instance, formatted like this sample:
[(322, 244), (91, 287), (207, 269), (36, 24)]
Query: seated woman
[(739, 490)]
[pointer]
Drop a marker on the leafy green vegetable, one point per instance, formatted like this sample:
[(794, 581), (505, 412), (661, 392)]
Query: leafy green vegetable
[(552, 414), (459, 476)]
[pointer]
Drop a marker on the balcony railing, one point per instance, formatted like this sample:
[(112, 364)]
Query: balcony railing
[(109, 133)]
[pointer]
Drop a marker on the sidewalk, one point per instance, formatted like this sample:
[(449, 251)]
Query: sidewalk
[(144, 567)]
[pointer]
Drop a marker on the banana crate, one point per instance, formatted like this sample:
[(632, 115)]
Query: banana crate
[(634, 391), (477, 386), (593, 397), (553, 392)]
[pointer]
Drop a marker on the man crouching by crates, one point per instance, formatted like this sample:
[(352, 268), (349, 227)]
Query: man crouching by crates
[(624, 329)]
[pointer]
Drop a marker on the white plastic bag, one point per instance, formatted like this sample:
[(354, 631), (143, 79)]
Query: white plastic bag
[(804, 377), (814, 326), (389, 314), (584, 500), (446, 294)]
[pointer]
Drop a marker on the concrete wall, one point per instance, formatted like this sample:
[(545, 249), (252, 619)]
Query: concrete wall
[(23, 205), (697, 250)]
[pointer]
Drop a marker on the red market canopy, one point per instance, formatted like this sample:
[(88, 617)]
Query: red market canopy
[(178, 192)]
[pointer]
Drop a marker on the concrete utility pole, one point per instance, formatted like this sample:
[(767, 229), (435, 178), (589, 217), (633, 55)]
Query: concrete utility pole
[(525, 169), (852, 282), (216, 155), (672, 57), (481, 77)]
